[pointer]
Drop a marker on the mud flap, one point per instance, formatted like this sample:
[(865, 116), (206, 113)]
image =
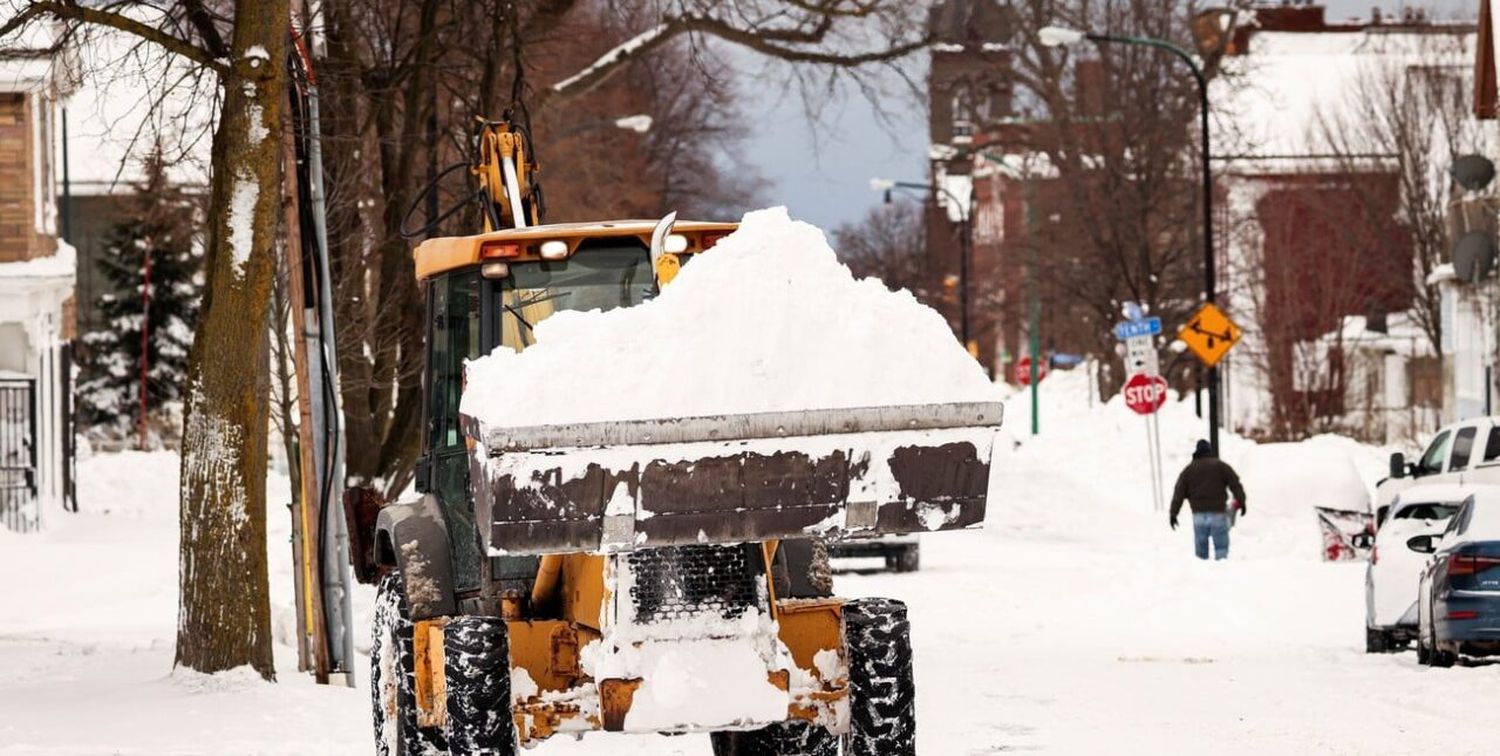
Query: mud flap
[(608, 487)]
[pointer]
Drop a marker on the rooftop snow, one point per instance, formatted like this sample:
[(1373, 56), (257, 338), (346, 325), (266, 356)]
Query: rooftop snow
[(60, 264), (1274, 99), (768, 320)]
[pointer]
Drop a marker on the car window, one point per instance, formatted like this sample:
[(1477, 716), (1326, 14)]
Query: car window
[(1380, 515), (1463, 447), (1458, 521), (1427, 511), (1492, 445), (1432, 460)]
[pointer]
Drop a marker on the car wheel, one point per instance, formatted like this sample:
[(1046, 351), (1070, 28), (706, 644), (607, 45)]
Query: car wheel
[(476, 663), (882, 696), (780, 739), (1377, 641), (909, 559), (1424, 655), (1441, 657)]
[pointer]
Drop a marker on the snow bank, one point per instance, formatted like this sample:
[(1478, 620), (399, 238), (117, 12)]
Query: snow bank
[(767, 320)]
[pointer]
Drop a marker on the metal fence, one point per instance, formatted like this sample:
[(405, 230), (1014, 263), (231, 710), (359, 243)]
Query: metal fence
[(18, 455)]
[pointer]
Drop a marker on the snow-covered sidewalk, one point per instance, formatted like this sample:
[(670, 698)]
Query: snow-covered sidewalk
[(1077, 622)]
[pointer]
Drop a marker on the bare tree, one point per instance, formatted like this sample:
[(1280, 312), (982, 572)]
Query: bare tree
[(404, 83), (390, 112), (1409, 110), (1118, 125), (889, 243), (1358, 227), (224, 611)]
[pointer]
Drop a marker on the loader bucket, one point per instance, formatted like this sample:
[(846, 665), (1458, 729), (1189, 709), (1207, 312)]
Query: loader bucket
[(616, 486)]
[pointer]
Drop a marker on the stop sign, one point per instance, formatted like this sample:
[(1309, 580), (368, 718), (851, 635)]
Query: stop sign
[(1023, 371), (1145, 393)]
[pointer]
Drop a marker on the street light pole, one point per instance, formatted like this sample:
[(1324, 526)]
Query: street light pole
[(965, 242), (1055, 36)]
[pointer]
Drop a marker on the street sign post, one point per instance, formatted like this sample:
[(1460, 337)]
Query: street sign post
[(1145, 394), (1210, 334)]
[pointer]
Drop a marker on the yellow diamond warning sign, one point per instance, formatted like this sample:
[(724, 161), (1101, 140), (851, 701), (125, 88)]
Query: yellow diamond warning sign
[(1210, 334)]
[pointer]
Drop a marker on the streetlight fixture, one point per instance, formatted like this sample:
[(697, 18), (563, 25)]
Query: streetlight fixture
[(1208, 22), (965, 241), (640, 123)]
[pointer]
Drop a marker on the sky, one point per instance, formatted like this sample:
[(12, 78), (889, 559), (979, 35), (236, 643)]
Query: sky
[(822, 173)]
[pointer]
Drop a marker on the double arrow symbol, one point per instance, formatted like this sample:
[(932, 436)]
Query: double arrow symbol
[(1228, 335)]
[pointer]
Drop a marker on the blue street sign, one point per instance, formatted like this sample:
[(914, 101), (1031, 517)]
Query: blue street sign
[(1131, 329)]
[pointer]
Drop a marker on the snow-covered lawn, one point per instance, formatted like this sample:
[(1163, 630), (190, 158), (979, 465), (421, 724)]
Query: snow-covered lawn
[(1077, 622)]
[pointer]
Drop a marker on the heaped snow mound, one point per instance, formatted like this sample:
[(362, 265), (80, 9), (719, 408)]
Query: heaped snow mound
[(768, 320)]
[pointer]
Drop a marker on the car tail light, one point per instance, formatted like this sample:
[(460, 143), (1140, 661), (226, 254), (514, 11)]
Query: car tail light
[(1463, 615), (494, 250), (1470, 564)]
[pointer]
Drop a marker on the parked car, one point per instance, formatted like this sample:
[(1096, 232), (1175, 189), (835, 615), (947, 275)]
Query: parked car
[(1466, 452), (1393, 570), (902, 553), (1458, 597)]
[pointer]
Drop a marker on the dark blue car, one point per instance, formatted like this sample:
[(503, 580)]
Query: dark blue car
[(1458, 600)]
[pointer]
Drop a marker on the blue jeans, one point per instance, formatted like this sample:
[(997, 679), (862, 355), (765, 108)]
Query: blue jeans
[(1213, 525)]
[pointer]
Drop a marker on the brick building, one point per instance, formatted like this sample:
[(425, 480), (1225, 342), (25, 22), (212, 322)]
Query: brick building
[(36, 293)]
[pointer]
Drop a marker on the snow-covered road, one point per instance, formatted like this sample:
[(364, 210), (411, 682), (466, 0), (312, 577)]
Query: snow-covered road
[(1077, 622)]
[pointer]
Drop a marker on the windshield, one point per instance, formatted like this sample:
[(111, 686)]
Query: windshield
[(1433, 511), (1432, 461), (602, 275)]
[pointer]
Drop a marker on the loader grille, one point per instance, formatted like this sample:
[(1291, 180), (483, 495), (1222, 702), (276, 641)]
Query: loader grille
[(675, 582)]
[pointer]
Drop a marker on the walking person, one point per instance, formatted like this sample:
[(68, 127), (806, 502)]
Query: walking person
[(1205, 483)]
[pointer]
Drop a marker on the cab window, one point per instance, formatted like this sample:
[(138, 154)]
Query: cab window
[(454, 309), (602, 274), (1432, 460), (1492, 445), (1463, 448)]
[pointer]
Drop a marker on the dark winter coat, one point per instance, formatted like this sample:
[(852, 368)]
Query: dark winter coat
[(1203, 484)]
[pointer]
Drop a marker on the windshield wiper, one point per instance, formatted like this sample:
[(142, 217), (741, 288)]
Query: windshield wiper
[(516, 308)]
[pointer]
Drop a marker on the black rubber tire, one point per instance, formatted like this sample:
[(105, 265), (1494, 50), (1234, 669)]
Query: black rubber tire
[(909, 559), (476, 654), (782, 739), (1441, 658), (393, 696), (882, 692), (1378, 641), (1424, 654)]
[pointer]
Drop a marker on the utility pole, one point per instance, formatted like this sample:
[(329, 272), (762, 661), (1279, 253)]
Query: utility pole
[(1034, 306), (965, 240)]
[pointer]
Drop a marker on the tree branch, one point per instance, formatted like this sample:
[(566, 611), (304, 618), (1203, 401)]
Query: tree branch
[(765, 41), (68, 11)]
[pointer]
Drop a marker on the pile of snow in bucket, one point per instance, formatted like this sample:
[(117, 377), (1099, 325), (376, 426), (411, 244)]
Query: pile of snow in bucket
[(768, 320)]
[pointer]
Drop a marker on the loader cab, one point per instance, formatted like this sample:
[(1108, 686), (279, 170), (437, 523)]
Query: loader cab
[(491, 291)]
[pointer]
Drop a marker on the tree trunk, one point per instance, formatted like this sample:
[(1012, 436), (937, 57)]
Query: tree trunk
[(224, 610)]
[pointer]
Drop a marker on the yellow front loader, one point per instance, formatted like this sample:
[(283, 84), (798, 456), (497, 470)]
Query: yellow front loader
[(656, 576)]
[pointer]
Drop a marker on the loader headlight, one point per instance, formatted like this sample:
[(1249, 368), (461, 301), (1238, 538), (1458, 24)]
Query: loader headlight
[(554, 249), (495, 270), (675, 244)]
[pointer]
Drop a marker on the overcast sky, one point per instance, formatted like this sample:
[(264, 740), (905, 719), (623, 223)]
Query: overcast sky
[(823, 175)]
